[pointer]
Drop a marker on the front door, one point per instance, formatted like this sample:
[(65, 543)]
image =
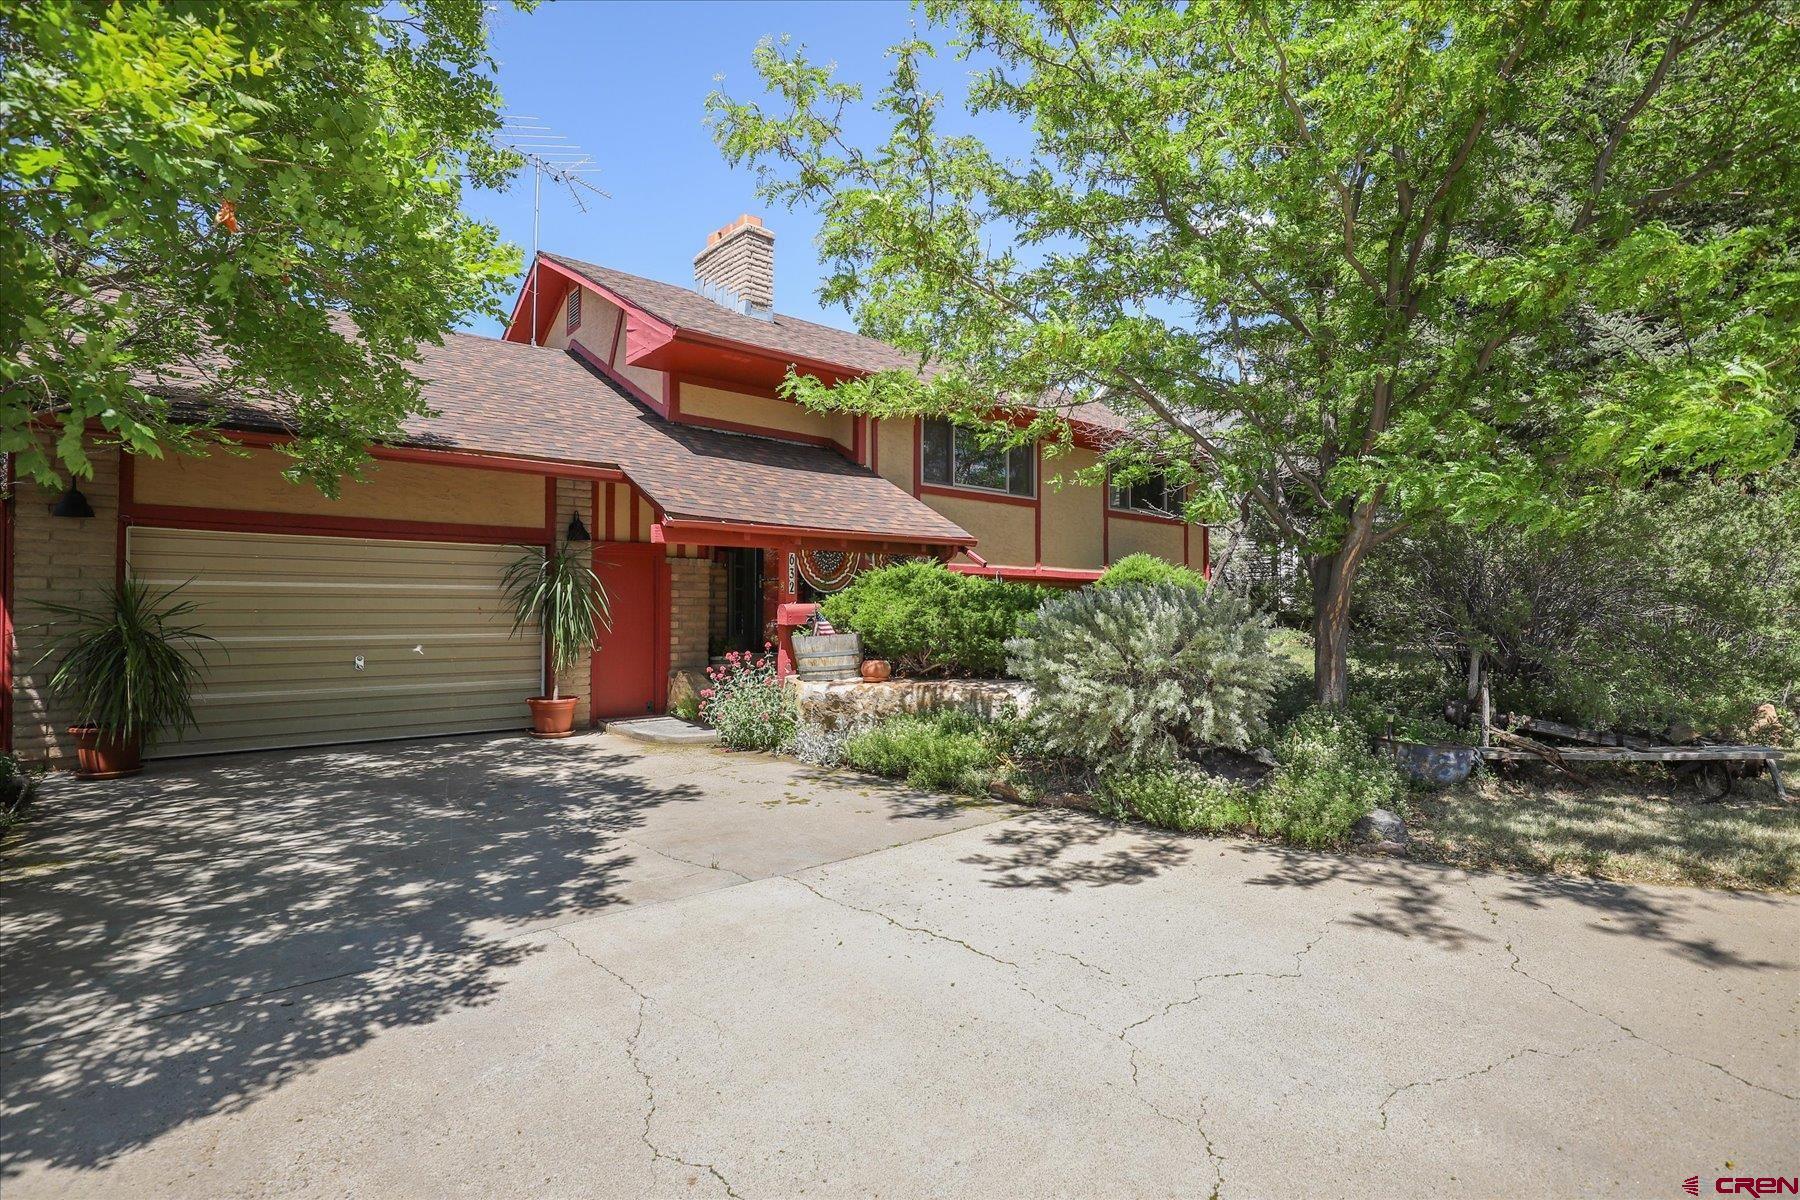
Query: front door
[(625, 661), (743, 600)]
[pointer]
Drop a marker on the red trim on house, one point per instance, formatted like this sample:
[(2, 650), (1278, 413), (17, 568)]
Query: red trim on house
[(1206, 551), (611, 533), (705, 533), (177, 516), (127, 497), (653, 331), (636, 519), (659, 683), (6, 605), (618, 336), (1033, 574), (588, 357), (918, 454), (961, 493), (875, 444)]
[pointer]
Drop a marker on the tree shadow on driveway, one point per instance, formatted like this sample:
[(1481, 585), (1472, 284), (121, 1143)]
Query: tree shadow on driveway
[(1413, 900), (1057, 849), (171, 942)]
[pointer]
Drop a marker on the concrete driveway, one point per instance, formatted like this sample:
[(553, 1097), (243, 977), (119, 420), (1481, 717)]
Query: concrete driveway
[(489, 967)]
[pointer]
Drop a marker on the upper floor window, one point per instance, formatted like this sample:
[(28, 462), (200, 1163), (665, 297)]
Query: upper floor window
[(572, 321), (954, 457), (1153, 496)]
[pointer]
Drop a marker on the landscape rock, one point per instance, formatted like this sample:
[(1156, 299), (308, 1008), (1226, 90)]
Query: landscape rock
[(1382, 830)]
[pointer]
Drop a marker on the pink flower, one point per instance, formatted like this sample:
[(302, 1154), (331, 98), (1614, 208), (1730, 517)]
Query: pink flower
[(706, 693)]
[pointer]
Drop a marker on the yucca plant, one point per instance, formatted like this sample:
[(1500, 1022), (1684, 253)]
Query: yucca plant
[(560, 592), (130, 665)]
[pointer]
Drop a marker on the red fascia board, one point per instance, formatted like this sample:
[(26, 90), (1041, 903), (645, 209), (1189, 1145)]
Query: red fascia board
[(706, 533), (1126, 514), (1036, 574)]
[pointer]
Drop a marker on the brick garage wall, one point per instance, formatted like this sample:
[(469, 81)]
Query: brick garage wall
[(64, 561), (577, 496), (690, 624)]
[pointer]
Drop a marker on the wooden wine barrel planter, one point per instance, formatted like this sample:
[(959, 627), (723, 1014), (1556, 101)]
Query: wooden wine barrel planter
[(833, 656)]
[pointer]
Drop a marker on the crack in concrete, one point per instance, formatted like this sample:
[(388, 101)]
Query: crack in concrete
[(955, 941), (689, 862), (657, 1153), (1517, 966), (1200, 992), (1480, 1071)]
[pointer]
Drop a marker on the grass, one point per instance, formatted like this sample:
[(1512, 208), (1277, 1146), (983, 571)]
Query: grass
[(1629, 827)]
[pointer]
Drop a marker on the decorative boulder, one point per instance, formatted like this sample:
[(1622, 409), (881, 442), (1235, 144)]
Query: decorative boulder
[(1381, 830)]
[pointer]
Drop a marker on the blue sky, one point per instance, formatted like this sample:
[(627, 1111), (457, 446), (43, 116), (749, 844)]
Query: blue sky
[(628, 82)]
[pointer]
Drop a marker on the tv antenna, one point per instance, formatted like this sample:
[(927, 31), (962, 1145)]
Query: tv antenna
[(549, 155)]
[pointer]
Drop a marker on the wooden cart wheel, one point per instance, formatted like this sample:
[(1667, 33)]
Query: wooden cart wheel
[(1713, 780)]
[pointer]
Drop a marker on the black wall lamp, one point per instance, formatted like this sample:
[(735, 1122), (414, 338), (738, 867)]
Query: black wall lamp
[(576, 532), (72, 504)]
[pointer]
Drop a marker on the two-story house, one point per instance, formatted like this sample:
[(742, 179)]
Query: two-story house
[(638, 416)]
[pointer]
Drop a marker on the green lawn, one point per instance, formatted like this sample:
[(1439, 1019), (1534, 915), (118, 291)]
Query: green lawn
[(1643, 828)]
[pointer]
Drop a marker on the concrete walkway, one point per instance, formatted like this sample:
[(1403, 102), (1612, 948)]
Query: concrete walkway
[(498, 967)]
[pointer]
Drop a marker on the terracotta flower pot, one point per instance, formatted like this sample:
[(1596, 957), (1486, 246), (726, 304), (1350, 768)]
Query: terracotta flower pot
[(100, 755), (874, 670), (552, 718)]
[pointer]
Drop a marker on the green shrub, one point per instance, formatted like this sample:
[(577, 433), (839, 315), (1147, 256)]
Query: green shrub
[(1139, 675), (747, 704), (1172, 798), (943, 751), (929, 620), (1147, 568), (1327, 778)]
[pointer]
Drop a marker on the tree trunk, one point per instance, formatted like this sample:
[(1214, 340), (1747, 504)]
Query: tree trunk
[(1331, 634)]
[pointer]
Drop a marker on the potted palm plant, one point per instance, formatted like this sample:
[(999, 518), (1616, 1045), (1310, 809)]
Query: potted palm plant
[(563, 595), (129, 668)]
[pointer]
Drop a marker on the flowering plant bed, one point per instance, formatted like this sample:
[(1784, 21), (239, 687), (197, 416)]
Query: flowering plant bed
[(746, 703)]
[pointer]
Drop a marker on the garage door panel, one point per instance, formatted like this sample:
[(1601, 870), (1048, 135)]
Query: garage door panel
[(291, 615)]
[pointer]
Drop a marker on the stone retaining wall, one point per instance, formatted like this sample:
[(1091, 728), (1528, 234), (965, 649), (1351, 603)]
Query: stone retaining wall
[(844, 702)]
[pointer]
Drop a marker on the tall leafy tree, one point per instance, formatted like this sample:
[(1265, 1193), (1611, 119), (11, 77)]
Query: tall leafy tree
[(1352, 263), (245, 200)]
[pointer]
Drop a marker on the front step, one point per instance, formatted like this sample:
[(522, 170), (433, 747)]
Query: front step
[(663, 731)]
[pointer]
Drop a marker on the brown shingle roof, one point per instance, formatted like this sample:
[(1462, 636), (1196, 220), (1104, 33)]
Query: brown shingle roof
[(688, 309), (515, 399)]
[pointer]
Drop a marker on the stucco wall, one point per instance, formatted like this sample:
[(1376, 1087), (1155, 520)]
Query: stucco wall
[(717, 404), (894, 438), (64, 561), (1073, 533), (1007, 532), (1130, 536), (394, 491)]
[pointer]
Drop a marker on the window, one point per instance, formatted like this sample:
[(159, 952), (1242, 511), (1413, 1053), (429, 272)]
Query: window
[(954, 457), (1153, 496), (572, 322)]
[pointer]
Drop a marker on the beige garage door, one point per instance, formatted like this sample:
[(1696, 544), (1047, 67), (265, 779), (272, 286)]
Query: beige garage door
[(329, 639)]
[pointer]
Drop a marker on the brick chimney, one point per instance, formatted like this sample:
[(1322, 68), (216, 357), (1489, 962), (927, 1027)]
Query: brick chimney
[(741, 259)]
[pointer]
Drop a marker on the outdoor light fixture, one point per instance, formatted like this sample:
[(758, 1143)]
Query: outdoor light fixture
[(72, 504), (576, 532)]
